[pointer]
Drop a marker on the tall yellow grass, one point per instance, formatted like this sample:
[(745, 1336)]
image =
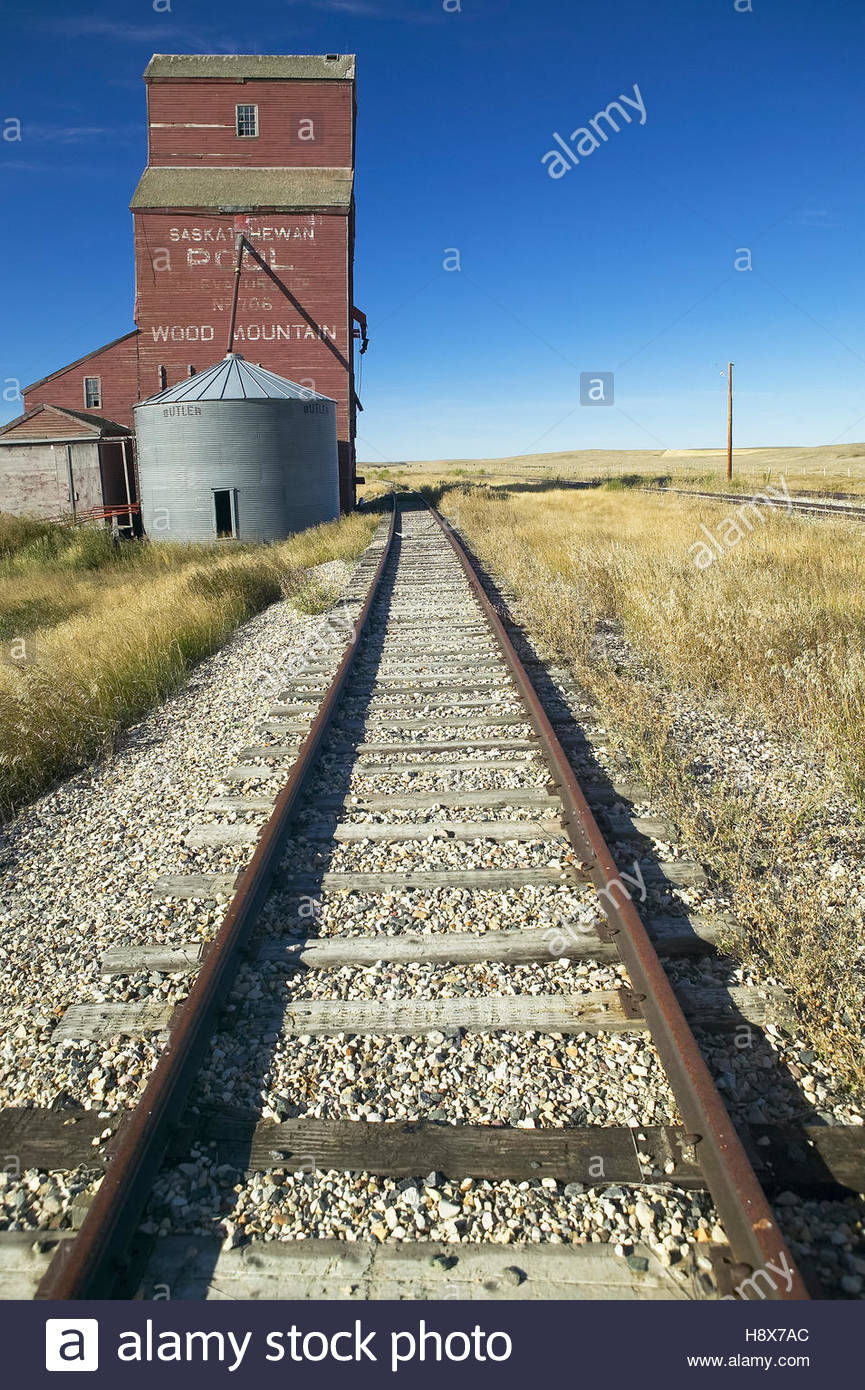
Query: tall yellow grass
[(773, 631), (775, 627), (87, 651)]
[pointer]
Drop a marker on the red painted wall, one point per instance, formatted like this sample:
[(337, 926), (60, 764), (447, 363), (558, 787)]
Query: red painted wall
[(184, 258), (116, 365), (300, 123), (185, 276)]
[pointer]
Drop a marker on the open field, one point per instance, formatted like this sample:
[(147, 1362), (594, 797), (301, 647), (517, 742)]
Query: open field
[(761, 651), (775, 626), (95, 635), (830, 467)]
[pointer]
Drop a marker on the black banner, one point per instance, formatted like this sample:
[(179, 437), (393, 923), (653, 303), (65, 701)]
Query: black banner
[(478, 1344)]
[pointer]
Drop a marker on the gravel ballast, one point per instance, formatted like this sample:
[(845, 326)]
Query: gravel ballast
[(137, 810), (77, 863)]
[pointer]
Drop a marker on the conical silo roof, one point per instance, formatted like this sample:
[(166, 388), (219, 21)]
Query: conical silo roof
[(235, 379)]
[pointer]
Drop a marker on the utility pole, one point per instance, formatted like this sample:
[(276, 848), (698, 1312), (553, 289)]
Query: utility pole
[(729, 421)]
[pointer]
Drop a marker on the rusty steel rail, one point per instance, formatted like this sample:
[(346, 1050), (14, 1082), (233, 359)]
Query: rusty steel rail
[(90, 1265), (804, 506), (755, 1238)]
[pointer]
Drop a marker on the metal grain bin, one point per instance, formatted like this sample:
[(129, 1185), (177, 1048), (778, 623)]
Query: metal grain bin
[(236, 452)]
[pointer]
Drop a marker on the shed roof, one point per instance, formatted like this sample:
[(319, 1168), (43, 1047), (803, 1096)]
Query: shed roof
[(268, 67), (234, 379), (59, 423), (242, 189)]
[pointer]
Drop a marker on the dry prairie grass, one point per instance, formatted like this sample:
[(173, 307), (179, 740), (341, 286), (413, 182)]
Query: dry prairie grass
[(338, 540), (828, 467), (49, 572), (773, 631), (775, 627), (90, 646)]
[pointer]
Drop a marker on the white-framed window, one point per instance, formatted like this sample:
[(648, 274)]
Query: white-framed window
[(92, 393), (247, 120)]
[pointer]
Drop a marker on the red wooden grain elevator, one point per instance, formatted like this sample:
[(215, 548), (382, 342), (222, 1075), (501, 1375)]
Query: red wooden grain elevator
[(258, 144)]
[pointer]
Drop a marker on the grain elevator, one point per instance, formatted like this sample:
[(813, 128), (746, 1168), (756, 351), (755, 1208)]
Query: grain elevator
[(256, 145)]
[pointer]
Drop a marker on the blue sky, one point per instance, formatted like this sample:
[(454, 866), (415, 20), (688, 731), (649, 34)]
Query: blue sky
[(752, 138)]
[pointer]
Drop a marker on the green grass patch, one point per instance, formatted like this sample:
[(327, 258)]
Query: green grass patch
[(624, 481), (19, 619), (315, 597)]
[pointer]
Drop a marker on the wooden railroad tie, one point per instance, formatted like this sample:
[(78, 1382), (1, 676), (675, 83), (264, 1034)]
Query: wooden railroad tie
[(600, 1011), (806, 1158)]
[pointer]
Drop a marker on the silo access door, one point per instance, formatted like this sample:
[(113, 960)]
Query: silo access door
[(225, 513)]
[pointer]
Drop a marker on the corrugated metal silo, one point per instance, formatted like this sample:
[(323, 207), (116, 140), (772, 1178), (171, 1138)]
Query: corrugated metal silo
[(236, 451)]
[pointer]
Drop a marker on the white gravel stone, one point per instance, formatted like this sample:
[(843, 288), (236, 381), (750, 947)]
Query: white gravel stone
[(77, 865)]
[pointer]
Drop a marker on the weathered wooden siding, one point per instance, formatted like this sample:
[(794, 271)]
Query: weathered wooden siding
[(34, 480), (116, 365), (185, 277), (47, 425), (184, 256), (301, 124)]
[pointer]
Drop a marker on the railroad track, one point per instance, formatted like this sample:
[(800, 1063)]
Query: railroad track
[(822, 507), (426, 880)]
